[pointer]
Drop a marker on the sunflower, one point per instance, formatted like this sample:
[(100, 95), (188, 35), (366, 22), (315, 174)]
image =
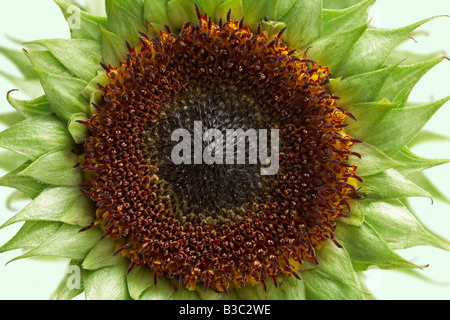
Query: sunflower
[(98, 153)]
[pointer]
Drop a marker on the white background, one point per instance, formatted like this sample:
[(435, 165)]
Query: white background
[(39, 19)]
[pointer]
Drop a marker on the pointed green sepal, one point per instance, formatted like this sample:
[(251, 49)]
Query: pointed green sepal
[(71, 285), (427, 136), (114, 48), (126, 19), (256, 11), (333, 278), (368, 116), (81, 57), (332, 50), (390, 185), (337, 21), (31, 235), (209, 7), (303, 20), (45, 61), (27, 185), (356, 214), (82, 25), (139, 280), (372, 160), (180, 11), (78, 131), (225, 7), (67, 242), (363, 87), (30, 108), (366, 248), (398, 227), (155, 11), (401, 125), (102, 255), (52, 205), (108, 283), (372, 49), (401, 82), (36, 136), (412, 163), (56, 168), (63, 93)]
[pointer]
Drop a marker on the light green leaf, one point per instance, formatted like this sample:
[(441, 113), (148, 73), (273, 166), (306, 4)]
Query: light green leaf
[(108, 283), (336, 21), (401, 82), (82, 25), (50, 205), (81, 57), (163, 290), (407, 57), (209, 7), (372, 160), (155, 11), (256, 11), (114, 48), (126, 19), (303, 20), (139, 280), (180, 11), (363, 87), (372, 49), (332, 50), (234, 6), (56, 168), (368, 116), (78, 131), (31, 235), (333, 278), (356, 214), (44, 60), (366, 248), (36, 136), (427, 136), (70, 286), (390, 185), (102, 255), (67, 242), (63, 93), (339, 4), (32, 108), (401, 125), (398, 227), (412, 163), (27, 185)]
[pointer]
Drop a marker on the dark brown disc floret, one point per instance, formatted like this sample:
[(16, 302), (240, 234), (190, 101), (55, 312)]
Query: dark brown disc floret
[(217, 225)]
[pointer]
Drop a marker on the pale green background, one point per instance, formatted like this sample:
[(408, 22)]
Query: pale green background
[(37, 19)]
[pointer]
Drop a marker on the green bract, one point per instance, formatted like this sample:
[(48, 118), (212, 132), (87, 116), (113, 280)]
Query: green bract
[(370, 77)]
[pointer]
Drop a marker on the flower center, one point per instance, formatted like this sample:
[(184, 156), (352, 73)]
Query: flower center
[(181, 198)]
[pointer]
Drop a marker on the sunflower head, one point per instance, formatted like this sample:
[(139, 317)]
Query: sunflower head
[(215, 149)]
